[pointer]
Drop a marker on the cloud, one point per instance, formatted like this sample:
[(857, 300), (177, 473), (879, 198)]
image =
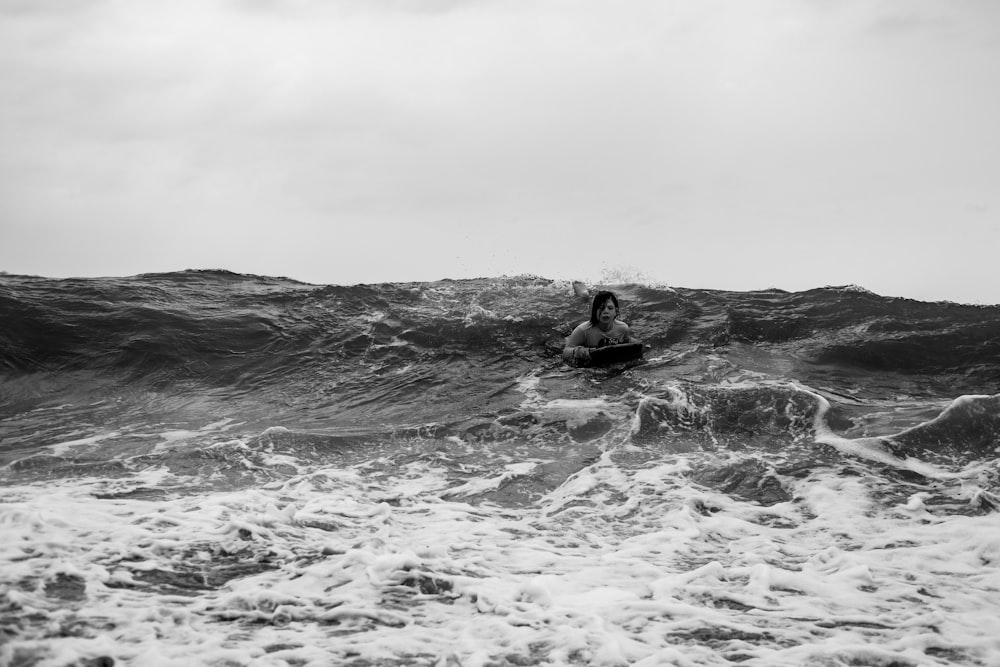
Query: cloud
[(513, 134), (901, 24), (59, 8)]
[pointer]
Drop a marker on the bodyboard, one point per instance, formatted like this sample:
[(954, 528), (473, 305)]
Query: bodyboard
[(614, 354)]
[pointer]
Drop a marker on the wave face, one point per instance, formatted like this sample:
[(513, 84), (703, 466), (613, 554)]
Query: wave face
[(409, 474)]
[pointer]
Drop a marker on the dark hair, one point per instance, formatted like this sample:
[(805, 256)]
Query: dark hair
[(599, 300)]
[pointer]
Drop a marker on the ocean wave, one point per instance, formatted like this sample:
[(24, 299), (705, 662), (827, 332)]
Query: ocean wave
[(723, 369), (209, 468)]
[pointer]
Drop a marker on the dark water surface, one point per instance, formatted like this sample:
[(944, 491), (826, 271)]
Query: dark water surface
[(221, 469)]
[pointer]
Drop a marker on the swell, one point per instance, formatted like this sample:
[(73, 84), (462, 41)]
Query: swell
[(143, 326), (730, 413), (758, 442), (253, 332), (777, 418), (968, 430), (229, 329)]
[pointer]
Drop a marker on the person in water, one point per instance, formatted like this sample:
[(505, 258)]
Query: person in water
[(604, 328)]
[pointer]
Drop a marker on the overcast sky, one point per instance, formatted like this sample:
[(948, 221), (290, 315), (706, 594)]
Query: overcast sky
[(739, 144)]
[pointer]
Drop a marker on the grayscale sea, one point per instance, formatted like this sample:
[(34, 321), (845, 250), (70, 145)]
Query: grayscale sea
[(208, 468)]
